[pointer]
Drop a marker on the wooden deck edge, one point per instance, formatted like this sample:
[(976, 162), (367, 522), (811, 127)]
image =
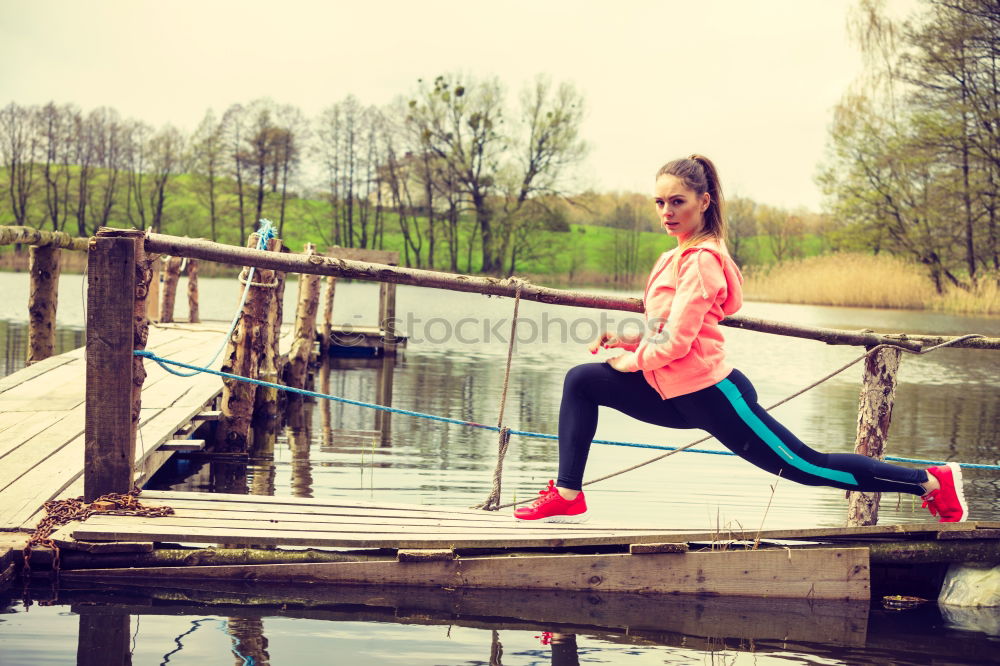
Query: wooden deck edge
[(822, 573)]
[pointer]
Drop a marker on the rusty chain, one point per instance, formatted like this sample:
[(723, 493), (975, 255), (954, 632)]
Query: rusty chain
[(61, 512)]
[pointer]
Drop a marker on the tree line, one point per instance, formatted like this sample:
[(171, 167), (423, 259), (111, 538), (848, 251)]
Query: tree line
[(914, 157), (453, 166)]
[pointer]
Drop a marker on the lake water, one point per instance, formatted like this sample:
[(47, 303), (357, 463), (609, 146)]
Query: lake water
[(453, 365)]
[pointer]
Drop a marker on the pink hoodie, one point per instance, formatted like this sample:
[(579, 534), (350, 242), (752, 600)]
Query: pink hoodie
[(682, 351)]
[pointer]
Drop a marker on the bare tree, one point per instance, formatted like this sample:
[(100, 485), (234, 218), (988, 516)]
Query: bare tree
[(234, 130), (166, 152), (208, 152), (551, 143), (54, 125), (107, 141), (18, 148), (460, 123), (136, 167), (742, 225)]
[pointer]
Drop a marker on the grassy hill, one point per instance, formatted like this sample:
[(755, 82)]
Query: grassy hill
[(582, 256)]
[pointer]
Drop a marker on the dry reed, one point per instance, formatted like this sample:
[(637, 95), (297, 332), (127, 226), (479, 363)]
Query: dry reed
[(852, 280), (983, 298)]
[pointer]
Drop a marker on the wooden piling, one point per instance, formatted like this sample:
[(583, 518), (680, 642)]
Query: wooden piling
[(153, 297), (243, 356), (387, 317), (43, 265), (104, 637), (109, 439), (331, 289), (171, 276), (192, 272), (383, 380), (265, 408), (305, 327), (878, 390)]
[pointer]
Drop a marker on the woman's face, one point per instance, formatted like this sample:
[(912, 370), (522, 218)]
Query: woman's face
[(680, 208)]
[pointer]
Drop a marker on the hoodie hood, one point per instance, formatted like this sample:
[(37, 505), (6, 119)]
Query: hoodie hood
[(733, 300)]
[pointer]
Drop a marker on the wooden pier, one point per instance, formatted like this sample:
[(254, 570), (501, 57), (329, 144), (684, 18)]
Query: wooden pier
[(68, 424)]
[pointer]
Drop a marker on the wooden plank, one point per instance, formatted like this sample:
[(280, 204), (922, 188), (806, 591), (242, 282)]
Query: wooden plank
[(168, 495), (822, 573), (10, 419), (984, 533), (58, 389), (29, 373), (124, 530), (353, 525), (35, 452), (23, 432), (653, 548), (182, 445), (307, 512), (247, 514)]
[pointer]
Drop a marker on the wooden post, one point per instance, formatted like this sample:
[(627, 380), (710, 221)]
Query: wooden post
[(878, 389), (171, 276), (331, 288), (383, 420), (265, 408), (43, 264), (244, 353), (153, 299), (192, 271), (104, 637), (305, 327), (109, 440), (387, 316)]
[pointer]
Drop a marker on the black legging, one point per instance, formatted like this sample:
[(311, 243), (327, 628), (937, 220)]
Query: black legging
[(730, 413)]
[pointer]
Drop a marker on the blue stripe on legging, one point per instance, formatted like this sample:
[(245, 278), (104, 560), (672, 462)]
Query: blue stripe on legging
[(773, 441)]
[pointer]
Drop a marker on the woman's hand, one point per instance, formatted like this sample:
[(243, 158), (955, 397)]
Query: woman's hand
[(618, 363), (609, 340)]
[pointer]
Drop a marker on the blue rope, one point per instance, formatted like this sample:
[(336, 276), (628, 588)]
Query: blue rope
[(163, 363), (266, 232)]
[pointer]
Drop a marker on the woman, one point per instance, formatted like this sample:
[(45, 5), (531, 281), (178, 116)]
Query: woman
[(677, 376)]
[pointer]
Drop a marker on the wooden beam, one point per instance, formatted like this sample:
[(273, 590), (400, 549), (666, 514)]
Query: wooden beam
[(10, 235), (823, 573), (228, 254), (109, 437)]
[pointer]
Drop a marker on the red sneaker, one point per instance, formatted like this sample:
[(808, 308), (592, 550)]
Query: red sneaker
[(948, 501), (550, 507)]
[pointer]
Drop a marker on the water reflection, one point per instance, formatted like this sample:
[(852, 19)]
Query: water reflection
[(14, 341), (380, 625)]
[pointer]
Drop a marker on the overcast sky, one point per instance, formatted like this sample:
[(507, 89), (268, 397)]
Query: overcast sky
[(751, 84)]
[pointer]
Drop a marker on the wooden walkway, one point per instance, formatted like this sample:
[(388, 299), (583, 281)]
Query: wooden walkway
[(42, 419), (254, 520), (450, 547)]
